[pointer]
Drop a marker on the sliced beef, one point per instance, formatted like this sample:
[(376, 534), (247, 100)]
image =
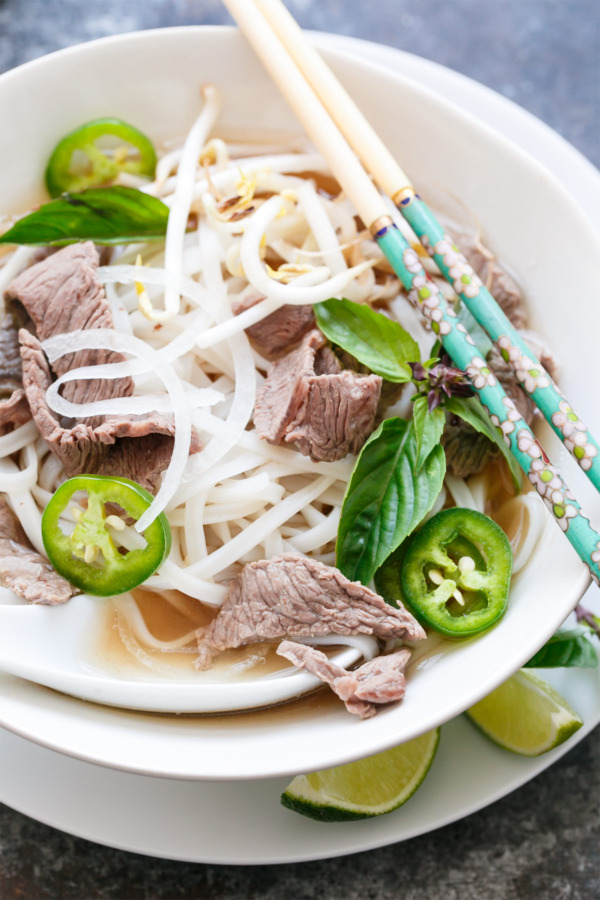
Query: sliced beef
[(24, 571), (468, 451), (378, 681), (63, 293), (137, 447), (296, 596), (281, 330), (308, 400), (59, 294), (501, 286), (14, 409)]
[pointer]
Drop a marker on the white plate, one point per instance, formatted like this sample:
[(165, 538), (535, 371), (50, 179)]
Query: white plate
[(243, 823), (496, 179), (115, 808)]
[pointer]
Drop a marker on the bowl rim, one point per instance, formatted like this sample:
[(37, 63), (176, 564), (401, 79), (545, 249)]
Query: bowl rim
[(153, 34)]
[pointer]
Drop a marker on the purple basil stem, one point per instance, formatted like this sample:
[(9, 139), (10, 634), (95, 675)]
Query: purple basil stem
[(584, 615)]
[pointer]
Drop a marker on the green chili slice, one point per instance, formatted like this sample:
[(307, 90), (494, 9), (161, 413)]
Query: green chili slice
[(454, 574), (96, 153), (89, 557)]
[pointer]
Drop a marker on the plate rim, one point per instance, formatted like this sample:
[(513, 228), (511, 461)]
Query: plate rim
[(539, 765)]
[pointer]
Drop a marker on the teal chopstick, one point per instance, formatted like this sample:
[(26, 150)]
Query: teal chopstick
[(393, 181), (523, 444), (531, 374), (369, 204)]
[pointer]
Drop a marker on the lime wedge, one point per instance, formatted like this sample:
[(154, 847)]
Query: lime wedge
[(369, 787), (525, 715)]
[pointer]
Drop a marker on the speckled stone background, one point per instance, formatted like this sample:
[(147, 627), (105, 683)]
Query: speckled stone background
[(542, 841)]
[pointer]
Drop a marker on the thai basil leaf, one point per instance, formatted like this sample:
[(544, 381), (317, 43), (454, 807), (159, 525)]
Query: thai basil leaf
[(587, 619), (386, 498), (566, 649), (471, 411), (110, 215), (428, 428), (379, 343)]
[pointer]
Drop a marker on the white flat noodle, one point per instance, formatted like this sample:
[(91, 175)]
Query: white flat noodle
[(193, 521), (537, 518), (14, 479), (251, 536), (319, 535), (16, 264), (128, 608), (240, 498), (367, 645), (17, 439), (461, 493), (173, 577), (30, 517)]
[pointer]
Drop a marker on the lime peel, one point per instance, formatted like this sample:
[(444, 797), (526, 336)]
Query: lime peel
[(525, 715), (366, 788)]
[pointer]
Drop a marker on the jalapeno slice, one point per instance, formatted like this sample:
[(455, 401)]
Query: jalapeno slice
[(95, 154), (92, 556), (455, 573)]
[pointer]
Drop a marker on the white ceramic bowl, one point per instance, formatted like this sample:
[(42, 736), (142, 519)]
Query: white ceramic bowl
[(152, 78)]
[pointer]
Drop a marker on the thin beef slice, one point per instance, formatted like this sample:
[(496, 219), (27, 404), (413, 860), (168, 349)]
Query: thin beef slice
[(136, 447), (278, 332), (296, 596), (23, 570), (377, 682), (63, 293), (14, 408), (308, 400)]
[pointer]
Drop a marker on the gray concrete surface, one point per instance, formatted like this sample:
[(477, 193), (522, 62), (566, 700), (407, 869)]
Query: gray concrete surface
[(540, 842)]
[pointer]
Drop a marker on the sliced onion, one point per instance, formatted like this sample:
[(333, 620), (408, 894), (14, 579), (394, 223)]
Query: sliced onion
[(108, 339), (140, 405)]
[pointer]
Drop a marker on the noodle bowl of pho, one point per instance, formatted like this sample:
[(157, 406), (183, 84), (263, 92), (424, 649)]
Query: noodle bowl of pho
[(208, 365)]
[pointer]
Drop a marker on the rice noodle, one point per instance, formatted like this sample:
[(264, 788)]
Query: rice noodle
[(106, 339), (233, 223), (461, 493)]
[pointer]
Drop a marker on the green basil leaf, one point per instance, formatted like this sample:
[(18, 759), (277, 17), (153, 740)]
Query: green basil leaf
[(566, 649), (379, 343), (428, 428), (471, 411), (386, 498), (110, 215)]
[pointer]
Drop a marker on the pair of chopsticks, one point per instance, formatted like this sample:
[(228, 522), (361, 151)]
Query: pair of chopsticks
[(395, 183), (317, 98)]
